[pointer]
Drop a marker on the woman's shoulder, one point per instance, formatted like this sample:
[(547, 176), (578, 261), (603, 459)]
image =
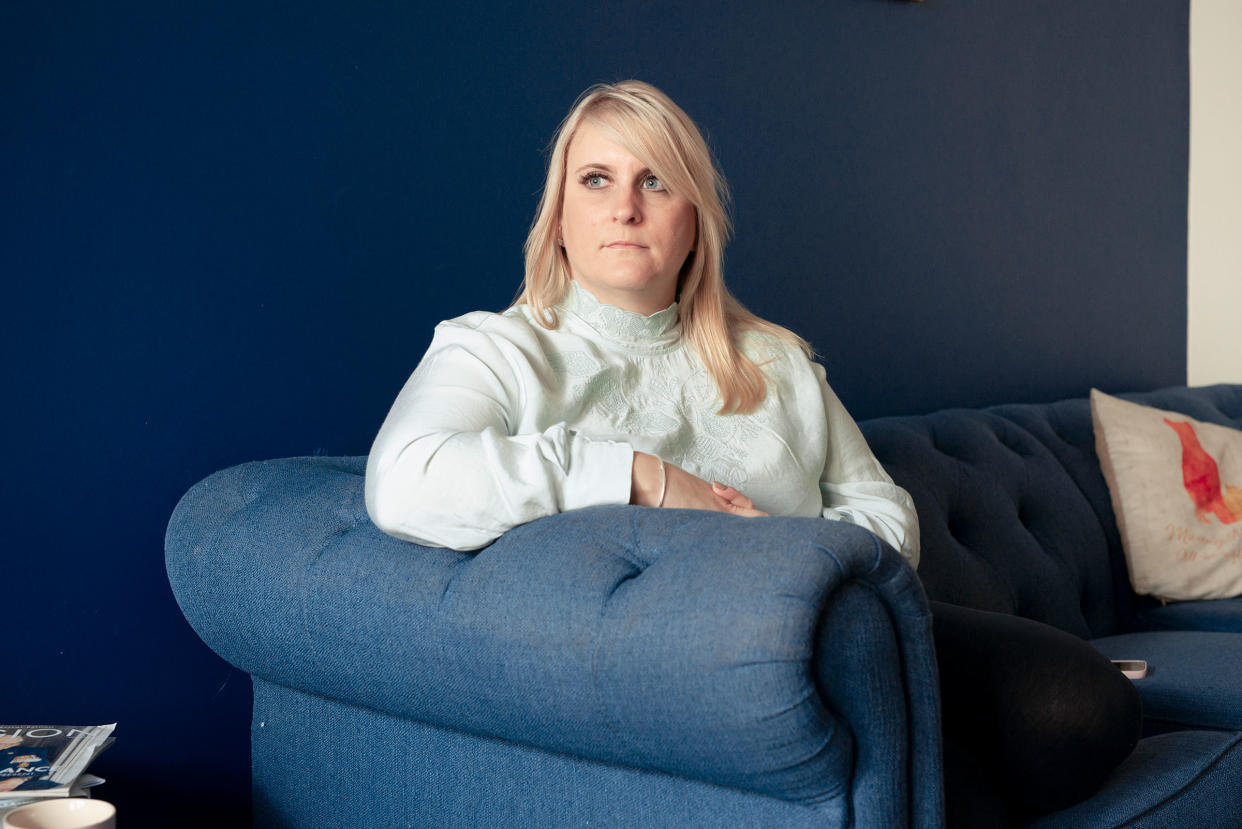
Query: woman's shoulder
[(513, 333), (511, 324), (774, 351), (794, 376)]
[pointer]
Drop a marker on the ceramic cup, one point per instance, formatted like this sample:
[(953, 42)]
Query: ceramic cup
[(63, 813)]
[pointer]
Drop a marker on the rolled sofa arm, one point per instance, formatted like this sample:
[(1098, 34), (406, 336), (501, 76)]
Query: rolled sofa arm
[(750, 653)]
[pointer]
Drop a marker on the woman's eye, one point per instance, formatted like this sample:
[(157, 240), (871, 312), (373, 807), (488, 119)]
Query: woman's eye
[(652, 183), (594, 180)]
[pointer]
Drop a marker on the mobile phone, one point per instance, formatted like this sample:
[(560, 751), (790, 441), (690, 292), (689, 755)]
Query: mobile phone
[(1133, 668)]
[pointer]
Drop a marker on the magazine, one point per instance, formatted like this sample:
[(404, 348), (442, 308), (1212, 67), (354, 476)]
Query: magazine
[(38, 761)]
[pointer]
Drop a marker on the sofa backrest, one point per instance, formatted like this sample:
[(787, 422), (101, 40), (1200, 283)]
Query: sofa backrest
[(1014, 512)]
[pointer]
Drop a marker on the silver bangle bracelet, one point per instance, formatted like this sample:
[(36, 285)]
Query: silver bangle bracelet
[(663, 482)]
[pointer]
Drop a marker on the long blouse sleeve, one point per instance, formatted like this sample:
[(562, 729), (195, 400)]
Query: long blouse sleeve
[(448, 468), (856, 488)]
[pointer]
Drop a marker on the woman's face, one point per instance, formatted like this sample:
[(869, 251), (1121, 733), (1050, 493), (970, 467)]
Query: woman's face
[(626, 236)]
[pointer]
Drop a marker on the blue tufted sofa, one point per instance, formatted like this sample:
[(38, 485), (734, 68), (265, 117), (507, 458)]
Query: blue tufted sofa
[(633, 667), (1016, 518)]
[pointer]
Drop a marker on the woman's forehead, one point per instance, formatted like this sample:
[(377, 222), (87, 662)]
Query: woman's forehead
[(592, 144)]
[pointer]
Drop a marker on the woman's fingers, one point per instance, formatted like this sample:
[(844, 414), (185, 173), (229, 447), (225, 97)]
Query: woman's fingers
[(685, 490), (736, 502)]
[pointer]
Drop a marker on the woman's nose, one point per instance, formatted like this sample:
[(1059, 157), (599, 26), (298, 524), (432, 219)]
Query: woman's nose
[(627, 209)]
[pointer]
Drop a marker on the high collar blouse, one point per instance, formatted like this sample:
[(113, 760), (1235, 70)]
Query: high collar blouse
[(627, 330)]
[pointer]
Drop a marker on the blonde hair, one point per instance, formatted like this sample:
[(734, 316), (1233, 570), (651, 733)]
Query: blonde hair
[(652, 128)]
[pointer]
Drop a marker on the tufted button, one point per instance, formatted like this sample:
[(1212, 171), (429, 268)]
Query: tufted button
[(1024, 515), (957, 527)]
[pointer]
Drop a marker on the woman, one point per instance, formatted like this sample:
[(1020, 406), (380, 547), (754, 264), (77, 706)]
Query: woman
[(626, 373), (600, 387)]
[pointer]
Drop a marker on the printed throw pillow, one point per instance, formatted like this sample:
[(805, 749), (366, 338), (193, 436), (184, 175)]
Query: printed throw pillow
[(1176, 487)]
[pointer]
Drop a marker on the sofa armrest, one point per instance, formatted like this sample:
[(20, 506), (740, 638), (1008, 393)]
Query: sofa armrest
[(694, 643)]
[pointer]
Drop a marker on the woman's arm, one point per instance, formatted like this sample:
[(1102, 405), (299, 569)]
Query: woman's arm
[(446, 469), (856, 488), (454, 465)]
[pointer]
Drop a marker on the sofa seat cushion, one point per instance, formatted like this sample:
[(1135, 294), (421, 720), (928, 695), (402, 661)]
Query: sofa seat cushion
[(1194, 677), (1183, 778), (1215, 614)]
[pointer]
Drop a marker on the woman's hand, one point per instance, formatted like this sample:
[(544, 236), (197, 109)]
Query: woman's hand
[(683, 490)]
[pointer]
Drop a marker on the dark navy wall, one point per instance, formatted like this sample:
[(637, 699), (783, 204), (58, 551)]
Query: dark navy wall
[(228, 229)]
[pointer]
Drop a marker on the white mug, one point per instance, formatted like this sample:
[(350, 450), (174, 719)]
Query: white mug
[(63, 813)]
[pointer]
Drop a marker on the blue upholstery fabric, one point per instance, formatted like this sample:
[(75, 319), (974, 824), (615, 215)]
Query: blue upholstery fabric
[(1221, 614), (633, 667), (327, 777), (1003, 526), (1195, 677), (1184, 779), (1016, 517), (1014, 510), (789, 658)]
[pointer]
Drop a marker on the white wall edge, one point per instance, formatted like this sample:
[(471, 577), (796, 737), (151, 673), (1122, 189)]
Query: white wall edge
[(1214, 244)]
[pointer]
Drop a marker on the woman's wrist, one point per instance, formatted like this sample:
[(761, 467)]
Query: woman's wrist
[(648, 480)]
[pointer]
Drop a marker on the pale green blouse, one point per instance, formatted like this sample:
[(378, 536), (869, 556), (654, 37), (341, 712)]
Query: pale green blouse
[(505, 421)]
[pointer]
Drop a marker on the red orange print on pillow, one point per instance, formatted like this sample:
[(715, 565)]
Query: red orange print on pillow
[(1201, 477)]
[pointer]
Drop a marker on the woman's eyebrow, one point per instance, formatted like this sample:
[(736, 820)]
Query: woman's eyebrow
[(604, 168)]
